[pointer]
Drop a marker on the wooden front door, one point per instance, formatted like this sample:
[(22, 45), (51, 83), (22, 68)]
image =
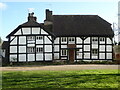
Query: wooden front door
[(71, 55), (71, 52)]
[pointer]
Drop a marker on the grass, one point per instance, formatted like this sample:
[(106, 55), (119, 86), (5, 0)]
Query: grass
[(61, 79)]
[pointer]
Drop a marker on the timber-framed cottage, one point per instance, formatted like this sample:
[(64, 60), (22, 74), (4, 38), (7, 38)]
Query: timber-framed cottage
[(61, 37)]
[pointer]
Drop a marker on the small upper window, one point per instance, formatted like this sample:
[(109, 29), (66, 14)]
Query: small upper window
[(64, 52), (63, 39), (39, 37), (102, 39), (94, 39), (30, 38), (71, 39)]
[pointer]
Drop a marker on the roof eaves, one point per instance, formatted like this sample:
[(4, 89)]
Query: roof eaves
[(14, 31)]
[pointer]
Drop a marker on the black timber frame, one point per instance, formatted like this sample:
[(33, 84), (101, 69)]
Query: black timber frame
[(83, 52)]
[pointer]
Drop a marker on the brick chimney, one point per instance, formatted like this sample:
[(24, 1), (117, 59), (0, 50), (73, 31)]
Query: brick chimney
[(48, 15), (31, 17), (48, 20)]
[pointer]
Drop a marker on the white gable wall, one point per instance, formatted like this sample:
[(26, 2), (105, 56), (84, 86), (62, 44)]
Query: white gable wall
[(19, 44)]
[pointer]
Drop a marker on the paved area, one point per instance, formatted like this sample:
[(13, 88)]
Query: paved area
[(60, 67)]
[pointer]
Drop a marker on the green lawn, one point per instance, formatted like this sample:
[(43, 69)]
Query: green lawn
[(61, 79)]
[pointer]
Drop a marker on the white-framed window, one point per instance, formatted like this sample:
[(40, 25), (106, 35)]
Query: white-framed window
[(102, 39), (94, 52), (64, 52), (39, 49), (39, 37), (64, 39), (30, 38), (31, 49), (71, 39), (94, 40)]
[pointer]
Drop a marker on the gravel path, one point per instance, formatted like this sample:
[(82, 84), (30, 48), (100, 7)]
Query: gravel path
[(60, 67)]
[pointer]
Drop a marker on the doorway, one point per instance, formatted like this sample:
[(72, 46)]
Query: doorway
[(71, 52)]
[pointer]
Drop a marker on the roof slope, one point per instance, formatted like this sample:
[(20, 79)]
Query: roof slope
[(81, 25), (30, 23)]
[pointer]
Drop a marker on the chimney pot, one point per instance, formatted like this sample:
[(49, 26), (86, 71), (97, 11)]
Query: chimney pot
[(31, 17)]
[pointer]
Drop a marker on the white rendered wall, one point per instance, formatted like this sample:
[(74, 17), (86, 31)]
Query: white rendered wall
[(48, 57), (22, 58), (43, 32), (48, 48), (14, 41), (109, 55), (36, 30), (31, 57), (30, 43), (22, 40), (102, 55), (78, 40), (39, 57), (22, 49), (63, 46), (13, 58), (26, 31), (13, 49), (109, 48), (47, 40), (79, 46), (56, 48), (79, 56), (86, 55), (18, 32), (102, 48), (87, 40), (86, 47), (56, 55), (56, 41), (108, 41)]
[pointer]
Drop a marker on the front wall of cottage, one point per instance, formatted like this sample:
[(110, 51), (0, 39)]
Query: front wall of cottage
[(30, 44), (87, 48)]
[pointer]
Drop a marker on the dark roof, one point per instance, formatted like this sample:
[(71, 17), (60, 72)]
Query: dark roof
[(30, 23), (81, 25), (27, 24), (5, 44)]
